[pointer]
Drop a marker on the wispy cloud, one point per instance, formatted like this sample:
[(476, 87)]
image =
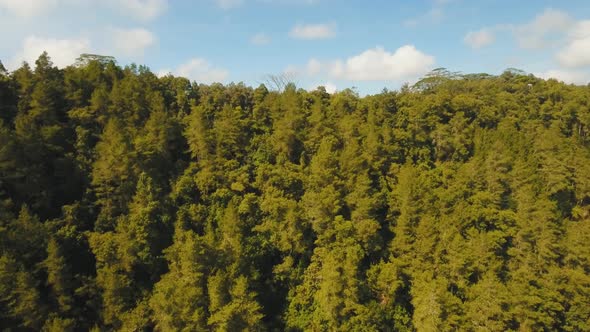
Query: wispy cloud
[(552, 29), (132, 42), (543, 30), (435, 14), (480, 38), (260, 39), (291, 2), (313, 31), (28, 8), (231, 4), (228, 4), (199, 70), (140, 9)]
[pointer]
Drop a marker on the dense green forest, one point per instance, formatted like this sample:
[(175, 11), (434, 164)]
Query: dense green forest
[(136, 203)]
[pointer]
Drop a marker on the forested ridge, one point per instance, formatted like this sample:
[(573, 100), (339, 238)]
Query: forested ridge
[(137, 203)]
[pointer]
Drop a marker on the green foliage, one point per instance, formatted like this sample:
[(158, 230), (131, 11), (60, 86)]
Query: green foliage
[(136, 203)]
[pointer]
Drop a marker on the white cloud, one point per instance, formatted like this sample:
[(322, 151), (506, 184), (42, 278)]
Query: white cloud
[(314, 67), (329, 86), (572, 77), (132, 42), (434, 15), (200, 70), (580, 30), (553, 29), (27, 8), (228, 4), (378, 64), (63, 52), (142, 9), (480, 38), (260, 39), (577, 52), (547, 29), (313, 31), (542, 30)]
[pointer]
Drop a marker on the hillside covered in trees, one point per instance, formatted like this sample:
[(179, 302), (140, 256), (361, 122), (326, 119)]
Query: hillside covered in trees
[(136, 203)]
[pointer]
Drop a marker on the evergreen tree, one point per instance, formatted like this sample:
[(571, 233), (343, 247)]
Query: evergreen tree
[(141, 203)]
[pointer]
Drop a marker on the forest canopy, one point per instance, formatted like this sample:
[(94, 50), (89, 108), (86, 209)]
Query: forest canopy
[(141, 203)]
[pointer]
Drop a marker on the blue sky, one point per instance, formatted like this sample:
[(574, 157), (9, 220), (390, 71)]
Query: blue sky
[(370, 45)]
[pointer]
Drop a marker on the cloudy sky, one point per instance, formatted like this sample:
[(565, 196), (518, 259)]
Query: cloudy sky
[(369, 45)]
